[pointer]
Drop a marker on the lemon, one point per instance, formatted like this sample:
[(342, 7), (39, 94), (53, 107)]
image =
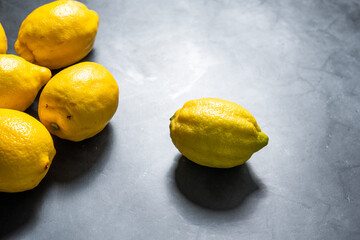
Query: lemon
[(216, 133), (20, 81), (3, 40), (57, 34), (79, 101), (26, 151)]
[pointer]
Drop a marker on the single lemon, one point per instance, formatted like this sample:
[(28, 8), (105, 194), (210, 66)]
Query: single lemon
[(57, 34), (216, 133), (26, 151), (20, 81), (79, 101), (3, 40)]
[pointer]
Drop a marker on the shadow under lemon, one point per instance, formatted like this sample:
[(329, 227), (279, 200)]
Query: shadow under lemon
[(17, 210), (215, 188), (73, 160)]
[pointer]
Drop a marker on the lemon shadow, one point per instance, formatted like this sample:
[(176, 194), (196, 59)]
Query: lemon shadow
[(90, 57), (19, 210), (213, 188), (74, 160)]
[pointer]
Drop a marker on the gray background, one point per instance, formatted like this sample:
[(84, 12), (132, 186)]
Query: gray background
[(295, 65)]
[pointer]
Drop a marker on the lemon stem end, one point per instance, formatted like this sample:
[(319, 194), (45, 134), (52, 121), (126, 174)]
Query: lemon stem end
[(54, 126)]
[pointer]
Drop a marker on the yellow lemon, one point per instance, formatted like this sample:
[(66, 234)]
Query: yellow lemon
[(26, 151), (3, 40), (216, 133), (57, 34), (20, 81), (79, 101)]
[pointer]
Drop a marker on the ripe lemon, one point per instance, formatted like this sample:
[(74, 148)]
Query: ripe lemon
[(20, 81), (216, 133), (26, 151), (57, 34), (79, 101), (3, 40)]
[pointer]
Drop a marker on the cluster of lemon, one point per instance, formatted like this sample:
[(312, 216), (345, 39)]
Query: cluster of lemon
[(75, 104), (79, 101)]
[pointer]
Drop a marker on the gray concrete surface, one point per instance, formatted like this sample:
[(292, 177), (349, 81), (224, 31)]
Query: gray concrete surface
[(295, 65)]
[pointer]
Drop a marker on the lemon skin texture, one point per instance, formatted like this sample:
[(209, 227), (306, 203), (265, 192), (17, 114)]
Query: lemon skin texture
[(20, 81), (3, 40), (78, 102), (216, 133), (57, 34), (26, 151)]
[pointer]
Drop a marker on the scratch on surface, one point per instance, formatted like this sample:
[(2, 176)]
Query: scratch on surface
[(292, 200), (323, 66), (312, 86), (348, 198), (135, 76), (187, 88), (197, 64), (144, 173), (326, 213), (351, 167), (331, 23), (343, 186)]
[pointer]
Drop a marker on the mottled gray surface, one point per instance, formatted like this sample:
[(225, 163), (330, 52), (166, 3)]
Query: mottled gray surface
[(295, 65)]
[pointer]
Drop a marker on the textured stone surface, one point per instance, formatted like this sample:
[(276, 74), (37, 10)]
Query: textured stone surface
[(295, 65)]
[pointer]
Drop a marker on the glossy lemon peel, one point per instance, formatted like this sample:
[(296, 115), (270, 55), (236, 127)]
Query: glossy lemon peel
[(79, 101), (26, 151), (216, 133), (57, 34)]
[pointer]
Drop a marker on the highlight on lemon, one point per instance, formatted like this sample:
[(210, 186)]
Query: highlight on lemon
[(216, 133)]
